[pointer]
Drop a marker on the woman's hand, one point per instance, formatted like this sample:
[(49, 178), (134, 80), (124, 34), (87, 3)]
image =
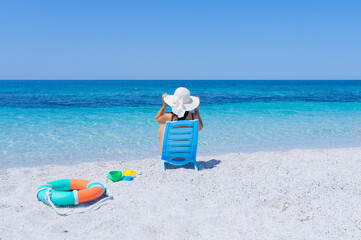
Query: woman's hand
[(163, 96), (160, 114)]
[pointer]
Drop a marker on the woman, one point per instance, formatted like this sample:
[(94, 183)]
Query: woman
[(181, 102)]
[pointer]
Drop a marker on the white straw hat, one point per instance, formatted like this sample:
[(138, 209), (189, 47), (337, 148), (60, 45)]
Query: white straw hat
[(181, 101)]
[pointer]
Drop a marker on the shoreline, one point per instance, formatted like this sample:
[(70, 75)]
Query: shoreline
[(298, 194)]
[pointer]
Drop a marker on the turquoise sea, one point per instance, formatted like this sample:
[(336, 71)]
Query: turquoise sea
[(69, 122)]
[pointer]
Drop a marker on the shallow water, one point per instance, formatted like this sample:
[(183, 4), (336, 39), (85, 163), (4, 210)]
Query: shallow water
[(68, 122)]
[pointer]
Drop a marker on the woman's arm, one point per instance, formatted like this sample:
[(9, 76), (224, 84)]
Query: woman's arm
[(160, 114), (198, 116)]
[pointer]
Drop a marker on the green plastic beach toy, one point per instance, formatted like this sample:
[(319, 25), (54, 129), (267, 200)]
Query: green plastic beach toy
[(114, 176)]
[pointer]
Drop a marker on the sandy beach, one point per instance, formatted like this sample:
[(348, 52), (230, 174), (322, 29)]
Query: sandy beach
[(300, 194)]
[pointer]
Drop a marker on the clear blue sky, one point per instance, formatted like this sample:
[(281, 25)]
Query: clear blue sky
[(87, 39)]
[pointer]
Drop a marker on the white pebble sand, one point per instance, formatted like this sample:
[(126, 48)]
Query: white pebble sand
[(300, 194)]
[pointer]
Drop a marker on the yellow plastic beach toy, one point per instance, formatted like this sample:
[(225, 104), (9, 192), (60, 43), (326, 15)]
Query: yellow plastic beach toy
[(130, 173)]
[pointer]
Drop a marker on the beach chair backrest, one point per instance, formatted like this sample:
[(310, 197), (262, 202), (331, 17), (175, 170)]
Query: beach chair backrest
[(180, 142)]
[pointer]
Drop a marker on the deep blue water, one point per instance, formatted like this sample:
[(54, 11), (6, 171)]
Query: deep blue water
[(67, 122)]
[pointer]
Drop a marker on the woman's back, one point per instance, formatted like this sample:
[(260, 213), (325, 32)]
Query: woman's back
[(176, 118)]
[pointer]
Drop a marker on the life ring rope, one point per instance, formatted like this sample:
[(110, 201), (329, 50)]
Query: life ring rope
[(76, 197), (73, 211)]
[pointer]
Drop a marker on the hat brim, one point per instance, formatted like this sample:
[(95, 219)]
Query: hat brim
[(192, 104)]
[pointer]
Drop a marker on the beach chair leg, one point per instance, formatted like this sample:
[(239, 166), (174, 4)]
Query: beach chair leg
[(195, 166), (163, 165)]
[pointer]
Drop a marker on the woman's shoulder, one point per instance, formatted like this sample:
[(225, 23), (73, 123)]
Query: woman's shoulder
[(168, 116)]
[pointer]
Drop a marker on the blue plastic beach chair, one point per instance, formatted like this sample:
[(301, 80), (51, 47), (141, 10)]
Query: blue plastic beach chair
[(180, 143)]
